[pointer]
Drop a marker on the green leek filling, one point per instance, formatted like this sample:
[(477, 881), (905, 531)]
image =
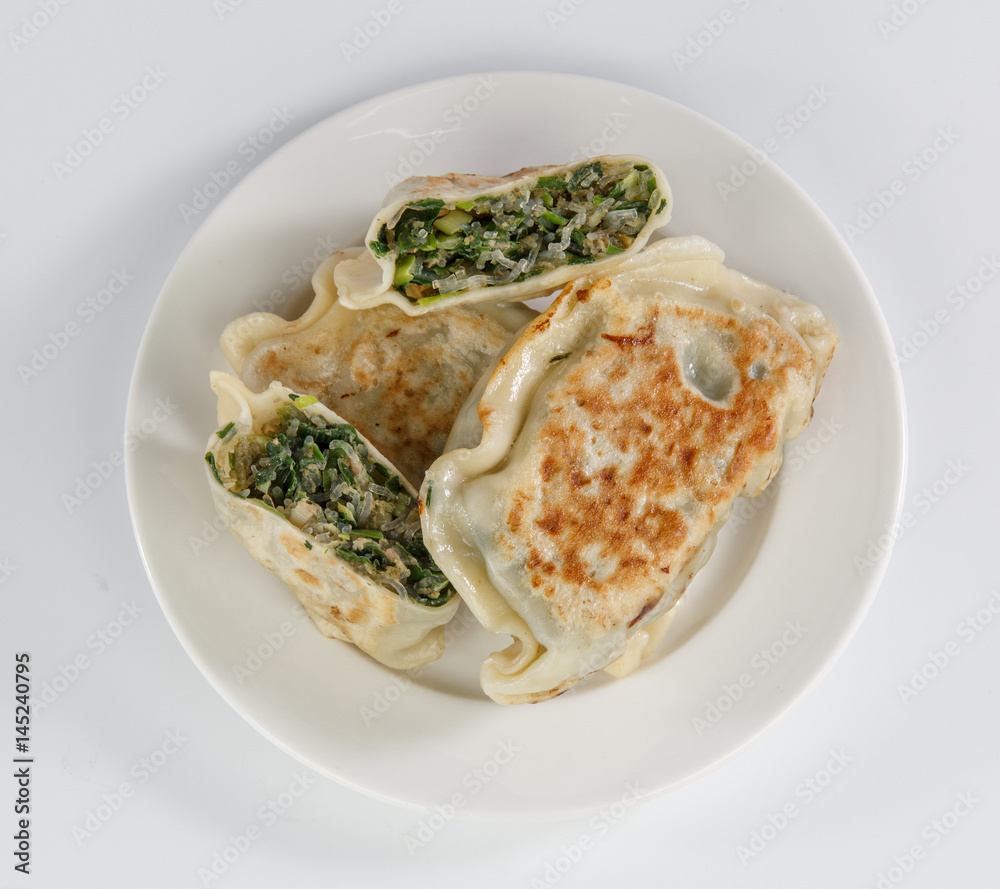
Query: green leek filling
[(443, 248), (322, 478)]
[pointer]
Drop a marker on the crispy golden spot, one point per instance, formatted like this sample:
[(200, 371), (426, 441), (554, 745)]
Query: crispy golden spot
[(643, 338), (307, 578), (392, 333), (550, 522), (516, 514), (540, 324), (359, 612)]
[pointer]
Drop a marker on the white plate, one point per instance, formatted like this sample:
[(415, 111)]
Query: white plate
[(771, 612)]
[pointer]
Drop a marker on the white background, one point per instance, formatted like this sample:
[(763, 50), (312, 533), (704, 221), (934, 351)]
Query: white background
[(897, 80)]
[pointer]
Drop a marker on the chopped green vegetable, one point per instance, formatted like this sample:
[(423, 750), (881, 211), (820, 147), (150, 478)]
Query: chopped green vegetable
[(404, 271), (210, 459), (552, 183), (225, 430), (321, 477), (453, 221), (586, 176), (443, 249)]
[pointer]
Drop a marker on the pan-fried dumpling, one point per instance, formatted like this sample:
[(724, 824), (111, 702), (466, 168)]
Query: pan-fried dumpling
[(607, 450), (310, 499), (398, 380), (461, 238)]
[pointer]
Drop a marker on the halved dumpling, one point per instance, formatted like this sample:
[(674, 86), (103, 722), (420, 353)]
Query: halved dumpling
[(311, 500), (458, 239)]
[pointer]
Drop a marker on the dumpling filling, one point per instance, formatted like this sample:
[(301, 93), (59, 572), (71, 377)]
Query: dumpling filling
[(321, 478), (443, 248)]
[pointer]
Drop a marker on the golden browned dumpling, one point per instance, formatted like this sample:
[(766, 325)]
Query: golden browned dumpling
[(594, 469), (399, 380)]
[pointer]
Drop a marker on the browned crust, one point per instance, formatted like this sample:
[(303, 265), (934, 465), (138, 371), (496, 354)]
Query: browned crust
[(665, 446), (402, 392)]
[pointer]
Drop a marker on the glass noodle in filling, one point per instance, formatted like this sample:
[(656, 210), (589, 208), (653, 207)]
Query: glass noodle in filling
[(320, 477), (443, 248)]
